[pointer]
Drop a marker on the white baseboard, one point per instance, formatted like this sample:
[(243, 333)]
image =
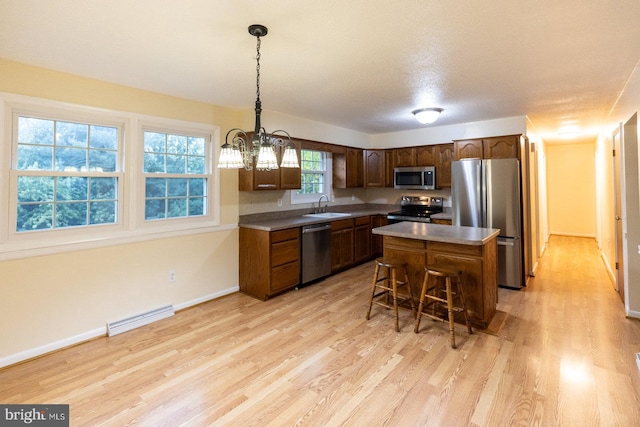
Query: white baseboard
[(206, 298), (48, 348), (633, 314), (102, 331)]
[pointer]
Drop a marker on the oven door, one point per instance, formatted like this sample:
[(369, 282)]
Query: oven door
[(393, 218)]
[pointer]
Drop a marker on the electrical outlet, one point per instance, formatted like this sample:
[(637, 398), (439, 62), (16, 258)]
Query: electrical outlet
[(172, 276), (353, 198), (279, 202)]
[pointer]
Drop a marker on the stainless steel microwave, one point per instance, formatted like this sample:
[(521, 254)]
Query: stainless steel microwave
[(415, 178)]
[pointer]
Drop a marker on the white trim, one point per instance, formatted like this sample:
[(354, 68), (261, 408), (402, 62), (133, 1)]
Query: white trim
[(126, 238), (51, 347), (633, 314), (95, 333), (206, 298)]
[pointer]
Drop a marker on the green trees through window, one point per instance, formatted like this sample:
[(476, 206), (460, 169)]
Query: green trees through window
[(66, 174)]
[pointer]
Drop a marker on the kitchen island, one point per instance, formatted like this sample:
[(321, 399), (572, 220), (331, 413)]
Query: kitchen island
[(473, 250)]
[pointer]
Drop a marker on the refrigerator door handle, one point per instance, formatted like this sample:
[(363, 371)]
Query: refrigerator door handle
[(506, 243)]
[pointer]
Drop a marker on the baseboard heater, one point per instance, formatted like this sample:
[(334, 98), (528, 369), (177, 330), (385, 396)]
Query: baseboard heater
[(124, 325)]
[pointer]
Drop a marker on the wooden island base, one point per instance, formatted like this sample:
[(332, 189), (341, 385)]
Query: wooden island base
[(475, 257)]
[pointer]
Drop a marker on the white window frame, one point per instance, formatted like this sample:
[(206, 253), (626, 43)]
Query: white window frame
[(130, 226), (180, 128), (313, 198)]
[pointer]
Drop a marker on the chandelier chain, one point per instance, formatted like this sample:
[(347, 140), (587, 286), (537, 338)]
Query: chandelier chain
[(258, 69)]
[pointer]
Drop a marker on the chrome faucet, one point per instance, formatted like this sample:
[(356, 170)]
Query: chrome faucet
[(320, 209)]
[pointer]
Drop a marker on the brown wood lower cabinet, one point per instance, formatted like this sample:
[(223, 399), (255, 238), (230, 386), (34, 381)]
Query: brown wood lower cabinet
[(269, 261), (440, 221), (476, 262), (362, 239), (342, 250)]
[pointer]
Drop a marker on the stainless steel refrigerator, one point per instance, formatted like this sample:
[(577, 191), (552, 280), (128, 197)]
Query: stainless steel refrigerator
[(486, 193)]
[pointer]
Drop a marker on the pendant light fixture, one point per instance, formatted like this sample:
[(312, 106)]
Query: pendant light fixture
[(426, 116), (241, 150)]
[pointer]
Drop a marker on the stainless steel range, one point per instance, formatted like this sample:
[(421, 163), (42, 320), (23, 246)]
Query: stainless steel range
[(416, 208)]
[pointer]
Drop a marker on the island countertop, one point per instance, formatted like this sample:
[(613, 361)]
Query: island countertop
[(473, 236)]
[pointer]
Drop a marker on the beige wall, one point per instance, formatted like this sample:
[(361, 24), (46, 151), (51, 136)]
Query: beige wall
[(54, 300), (571, 189), (627, 105)]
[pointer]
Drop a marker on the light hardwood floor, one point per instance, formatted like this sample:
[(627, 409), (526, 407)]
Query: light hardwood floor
[(565, 356)]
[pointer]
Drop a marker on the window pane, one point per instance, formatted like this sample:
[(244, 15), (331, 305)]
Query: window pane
[(176, 164), (103, 137), (176, 144), (102, 212), (154, 209), (37, 216), (177, 208), (71, 159), (35, 189), (196, 187), (153, 162), (71, 188), (102, 161), (156, 187), (154, 142), (35, 131), (103, 188), (72, 134), (71, 214), (196, 146), (196, 165), (33, 157), (196, 206), (177, 187)]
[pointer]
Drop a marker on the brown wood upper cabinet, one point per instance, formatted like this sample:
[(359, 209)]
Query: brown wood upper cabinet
[(374, 168), (348, 168), (498, 147), (276, 179), (424, 155), (444, 157)]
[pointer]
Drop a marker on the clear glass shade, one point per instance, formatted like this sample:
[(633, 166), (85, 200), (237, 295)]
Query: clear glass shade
[(267, 158), (230, 157)]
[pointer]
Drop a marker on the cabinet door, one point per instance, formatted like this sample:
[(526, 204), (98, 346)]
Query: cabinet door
[(404, 156), (444, 157), (426, 155), (389, 164), (376, 239), (355, 176), (374, 170), (346, 247), (471, 148), (339, 170), (501, 147), (290, 178)]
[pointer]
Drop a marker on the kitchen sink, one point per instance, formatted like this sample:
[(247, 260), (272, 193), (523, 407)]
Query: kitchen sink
[(327, 215)]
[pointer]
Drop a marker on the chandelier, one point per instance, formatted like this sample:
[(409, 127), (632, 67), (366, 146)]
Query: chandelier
[(241, 151)]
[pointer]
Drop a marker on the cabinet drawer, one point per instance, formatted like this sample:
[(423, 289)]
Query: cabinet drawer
[(362, 220), (341, 224), (399, 242), (282, 235), (284, 252), (453, 248), (285, 276)]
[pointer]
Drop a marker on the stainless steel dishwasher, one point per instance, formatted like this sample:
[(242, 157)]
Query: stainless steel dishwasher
[(316, 252)]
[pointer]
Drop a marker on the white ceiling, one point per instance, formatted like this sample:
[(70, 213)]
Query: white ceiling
[(358, 64)]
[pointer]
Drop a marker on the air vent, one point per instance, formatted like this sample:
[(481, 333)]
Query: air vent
[(124, 325)]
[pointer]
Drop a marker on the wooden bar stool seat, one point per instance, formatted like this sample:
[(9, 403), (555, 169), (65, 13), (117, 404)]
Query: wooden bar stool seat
[(388, 285), (443, 300)]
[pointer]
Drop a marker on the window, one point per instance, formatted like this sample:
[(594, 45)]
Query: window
[(175, 175), (74, 177), (66, 174), (316, 181)]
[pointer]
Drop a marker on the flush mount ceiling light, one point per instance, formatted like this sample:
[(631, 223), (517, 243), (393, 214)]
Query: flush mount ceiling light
[(242, 150), (427, 115)]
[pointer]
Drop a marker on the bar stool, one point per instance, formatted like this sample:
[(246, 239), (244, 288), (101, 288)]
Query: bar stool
[(389, 283), (431, 296)]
